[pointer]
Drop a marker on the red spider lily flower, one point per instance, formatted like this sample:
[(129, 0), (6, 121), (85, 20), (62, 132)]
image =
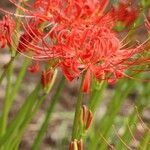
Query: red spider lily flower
[(70, 69), (126, 13), (79, 36), (7, 25)]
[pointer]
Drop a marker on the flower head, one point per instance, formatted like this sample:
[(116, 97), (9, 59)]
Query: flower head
[(79, 37)]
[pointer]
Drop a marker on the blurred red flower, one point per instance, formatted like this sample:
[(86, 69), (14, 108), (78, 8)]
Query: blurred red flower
[(7, 26)]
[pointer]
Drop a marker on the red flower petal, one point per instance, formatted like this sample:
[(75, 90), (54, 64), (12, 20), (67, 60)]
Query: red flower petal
[(87, 82)]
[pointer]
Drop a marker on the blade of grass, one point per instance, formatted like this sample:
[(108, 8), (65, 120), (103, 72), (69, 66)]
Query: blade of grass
[(141, 103), (17, 85), (30, 112), (19, 79), (145, 142), (105, 124), (5, 111), (16, 139), (14, 125), (49, 111), (121, 93)]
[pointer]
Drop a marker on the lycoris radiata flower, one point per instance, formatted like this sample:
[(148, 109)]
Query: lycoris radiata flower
[(78, 36)]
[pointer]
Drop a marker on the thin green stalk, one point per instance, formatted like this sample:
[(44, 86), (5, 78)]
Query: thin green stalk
[(141, 103), (144, 143), (16, 86), (16, 139), (17, 121), (23, 117), (7, 67), (114, 108), (97, 92), (2, 76), (50, 109), (76, 122), (18, 80), (105, 124), (10, 94), (5, 111)]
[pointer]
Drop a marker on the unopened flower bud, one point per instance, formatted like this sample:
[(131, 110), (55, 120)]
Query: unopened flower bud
[(86, 117), (48, 78), (89, 119)]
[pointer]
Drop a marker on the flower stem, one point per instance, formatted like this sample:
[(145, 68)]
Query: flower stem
[(17, 84), (6, 100), (96, 95), (17, 122), (7, 66), (76, 123)]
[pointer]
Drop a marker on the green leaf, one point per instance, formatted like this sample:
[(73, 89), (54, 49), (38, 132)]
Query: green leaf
[(48, 114)]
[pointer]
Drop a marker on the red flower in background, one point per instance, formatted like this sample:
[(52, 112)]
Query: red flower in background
[(79, 37), (126, 13), (7, 26)]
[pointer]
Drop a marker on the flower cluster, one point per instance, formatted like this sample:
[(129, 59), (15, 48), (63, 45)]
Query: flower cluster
[(79, 37)]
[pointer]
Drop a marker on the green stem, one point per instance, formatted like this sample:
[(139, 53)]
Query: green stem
[(50, 109), (7, 67), (6, 101), (18, 81), (76, 123), (15, 141), (19, 118), (23, 117), (10, 93), (96, 95)]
